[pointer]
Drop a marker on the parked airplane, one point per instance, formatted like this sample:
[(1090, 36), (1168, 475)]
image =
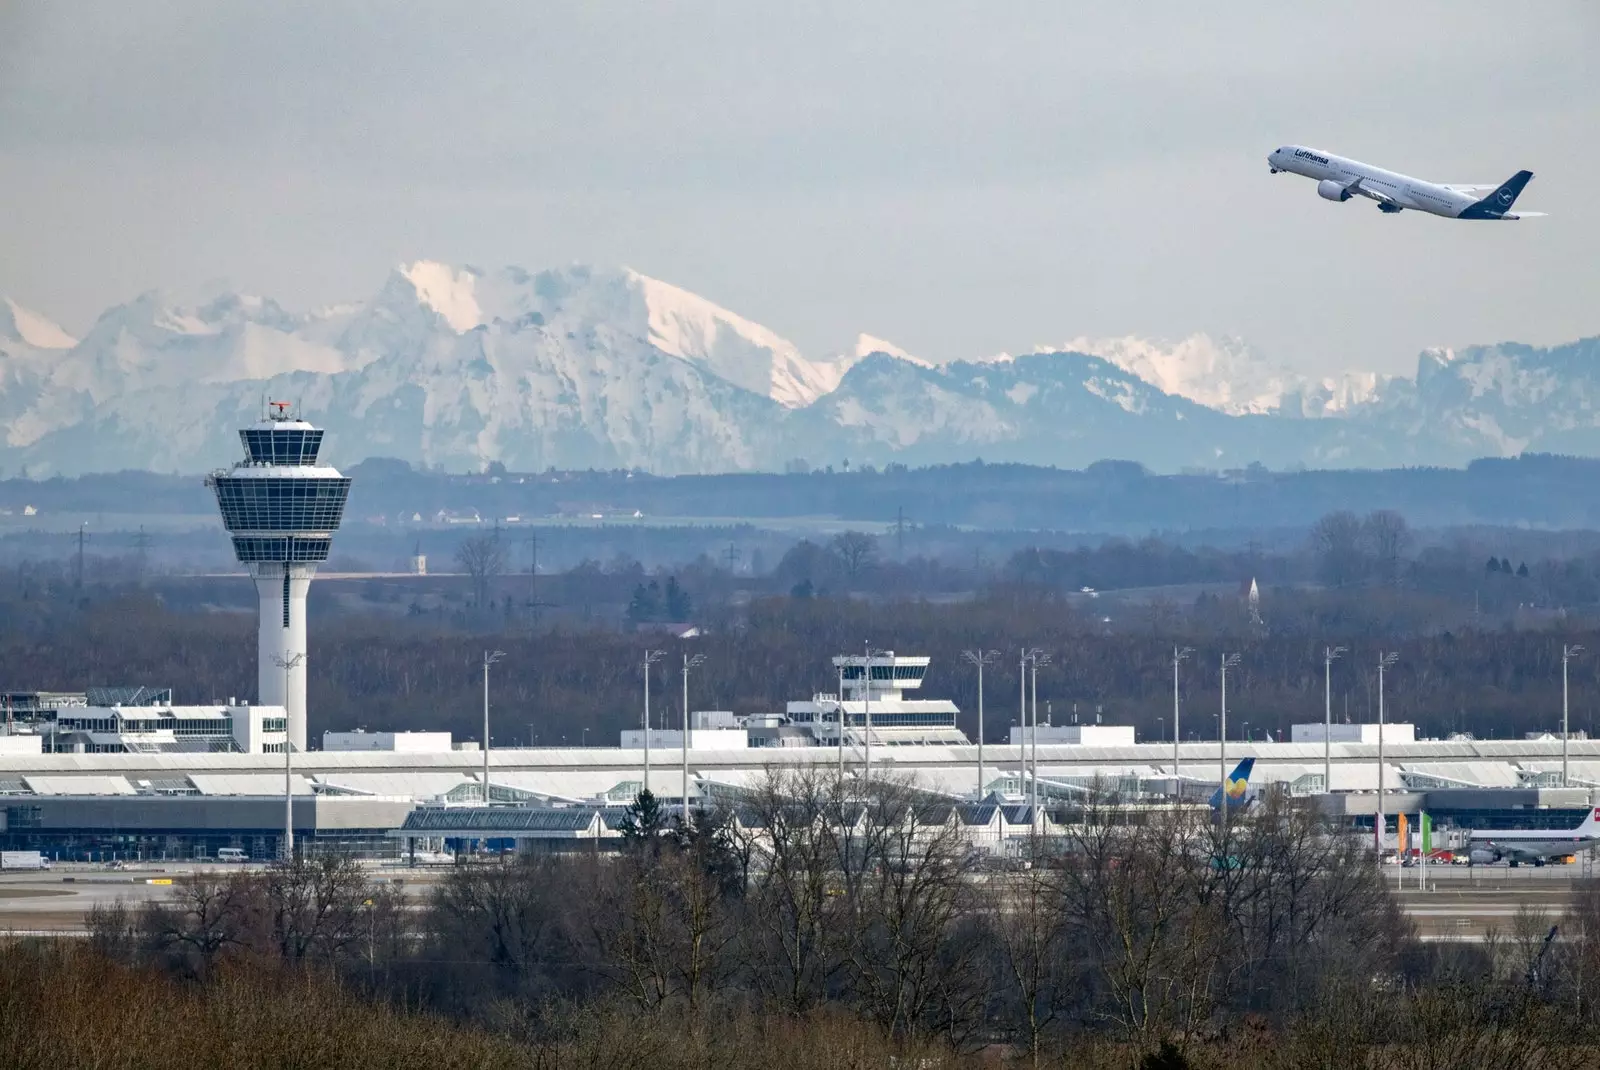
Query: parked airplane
[(1534, 845), (1237, 785), (1339, 179)]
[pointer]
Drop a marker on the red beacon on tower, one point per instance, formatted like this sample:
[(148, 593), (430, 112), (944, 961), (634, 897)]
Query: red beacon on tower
[(280, 410)]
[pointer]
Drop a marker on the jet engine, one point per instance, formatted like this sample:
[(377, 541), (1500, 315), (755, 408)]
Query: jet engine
[(1482, 857), (1330, 190)]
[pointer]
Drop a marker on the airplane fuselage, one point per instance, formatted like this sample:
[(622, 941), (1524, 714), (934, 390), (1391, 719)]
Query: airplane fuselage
[(1531, 846), (1339, 179)]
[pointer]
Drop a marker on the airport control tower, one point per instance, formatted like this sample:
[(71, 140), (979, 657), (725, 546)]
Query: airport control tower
[(282, 509)]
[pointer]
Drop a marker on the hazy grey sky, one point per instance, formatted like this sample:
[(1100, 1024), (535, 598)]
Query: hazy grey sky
[(959, 178)]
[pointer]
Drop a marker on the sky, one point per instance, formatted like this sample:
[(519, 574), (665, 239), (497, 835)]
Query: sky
[(958, 178)]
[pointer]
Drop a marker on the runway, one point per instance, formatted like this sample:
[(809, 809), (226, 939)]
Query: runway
[(1468, 903), (57, 902)]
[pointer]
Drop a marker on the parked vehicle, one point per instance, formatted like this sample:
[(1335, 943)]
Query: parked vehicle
[(232, 854), (23, 860)]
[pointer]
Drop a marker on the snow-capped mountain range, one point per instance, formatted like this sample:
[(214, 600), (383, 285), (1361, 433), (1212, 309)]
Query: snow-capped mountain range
[(582, 367)]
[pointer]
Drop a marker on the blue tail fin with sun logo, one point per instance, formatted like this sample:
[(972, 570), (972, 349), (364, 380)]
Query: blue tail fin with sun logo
[(1237, 786)]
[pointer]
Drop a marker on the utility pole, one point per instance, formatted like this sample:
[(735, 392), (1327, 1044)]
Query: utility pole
[(288, 665), (489, 658), (841, 722), (899, 533), (1384, 662), (1028, 654), (688, 663), (1567, 654), (1039, 658), (1228, 661), (81, 533), (533, 576), (1179, 656), (1329, 653), (731, 555), (866, 669), (650, 658), (980, 658), (141, 549)]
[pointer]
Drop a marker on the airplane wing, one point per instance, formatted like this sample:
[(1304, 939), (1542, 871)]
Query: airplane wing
[(1366, 191)]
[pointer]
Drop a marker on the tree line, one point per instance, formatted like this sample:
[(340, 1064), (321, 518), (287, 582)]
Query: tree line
[(858, 928)]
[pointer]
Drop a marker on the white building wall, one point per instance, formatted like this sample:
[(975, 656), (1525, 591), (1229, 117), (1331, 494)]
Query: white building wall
[(249, 731), (22, 743), (701, 739), (1353, 733), (1088, 735), (396, 742)]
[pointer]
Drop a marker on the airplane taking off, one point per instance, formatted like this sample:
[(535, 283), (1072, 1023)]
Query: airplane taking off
[(1339, 179), (1534, 845)]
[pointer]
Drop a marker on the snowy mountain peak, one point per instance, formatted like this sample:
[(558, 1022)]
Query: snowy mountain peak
[(449, 292), (867, 344), (1228, 375), (28, 327), (692, 328)]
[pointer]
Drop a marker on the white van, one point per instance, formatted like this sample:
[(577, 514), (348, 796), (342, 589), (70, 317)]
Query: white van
[(231, 854)]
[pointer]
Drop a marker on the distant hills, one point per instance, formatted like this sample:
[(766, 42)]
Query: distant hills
[(580, 368)]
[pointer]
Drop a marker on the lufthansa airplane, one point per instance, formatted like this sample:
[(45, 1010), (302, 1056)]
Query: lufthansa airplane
[(1339, 179)]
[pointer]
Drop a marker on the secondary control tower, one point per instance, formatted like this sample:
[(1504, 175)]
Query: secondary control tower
[(282, 508)]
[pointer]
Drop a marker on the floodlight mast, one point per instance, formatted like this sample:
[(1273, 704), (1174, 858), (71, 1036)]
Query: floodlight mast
[(1179, 656), (1229, 661), (841, 716), (1039, 658), (1385, 661), (980, 658), (1567, 654), (688, 663), (489, 658), (650, 658), (866, 694), (1329, 655), (288, 665)]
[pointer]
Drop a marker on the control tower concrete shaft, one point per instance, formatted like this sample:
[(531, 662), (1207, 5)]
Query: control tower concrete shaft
[(281, 508)]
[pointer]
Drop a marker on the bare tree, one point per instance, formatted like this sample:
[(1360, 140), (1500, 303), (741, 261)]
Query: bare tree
[(1385, 538), (1337, 541), (855, 551), (482, 558), (1030, 935), (317, 906), (794, 929)]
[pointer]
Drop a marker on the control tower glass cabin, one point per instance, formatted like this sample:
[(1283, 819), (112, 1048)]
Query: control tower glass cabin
[(281, 507)]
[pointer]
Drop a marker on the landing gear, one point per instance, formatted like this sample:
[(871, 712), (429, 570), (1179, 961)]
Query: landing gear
[(1389, 209), (1272, 170)]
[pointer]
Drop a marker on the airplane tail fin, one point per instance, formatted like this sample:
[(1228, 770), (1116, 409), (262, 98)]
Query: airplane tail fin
[(1236, 785), (1591, 822), (1500, 201)]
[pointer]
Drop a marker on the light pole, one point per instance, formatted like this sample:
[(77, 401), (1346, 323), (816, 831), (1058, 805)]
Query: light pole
[(288, 665), (1022, 714), (841, 721), (1567, 654), (1329, 655), (1038, 659), (650, 658), (980, 658), (489, 658), (1228, 662), (1384, 662), (688, 663), (1179, 656), (866, 776)]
